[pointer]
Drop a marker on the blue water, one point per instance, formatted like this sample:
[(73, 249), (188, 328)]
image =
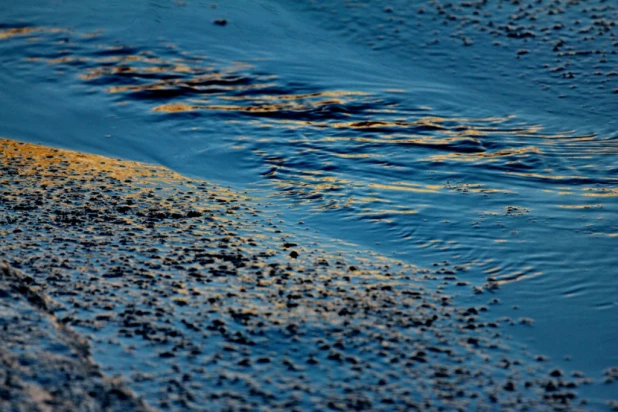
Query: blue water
[(411, 133)]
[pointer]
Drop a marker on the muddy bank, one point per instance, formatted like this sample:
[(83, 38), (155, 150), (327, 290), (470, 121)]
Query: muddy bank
[(202, 299), (46, 366)]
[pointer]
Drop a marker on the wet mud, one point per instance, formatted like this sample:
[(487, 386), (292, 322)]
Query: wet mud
[(46, 366), (200, 299)]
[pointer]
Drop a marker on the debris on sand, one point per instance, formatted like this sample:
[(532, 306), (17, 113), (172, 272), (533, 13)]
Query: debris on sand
[(44, 364), (202, 309)]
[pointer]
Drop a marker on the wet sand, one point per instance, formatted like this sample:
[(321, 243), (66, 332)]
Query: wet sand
[(46, 366), (196, 297)]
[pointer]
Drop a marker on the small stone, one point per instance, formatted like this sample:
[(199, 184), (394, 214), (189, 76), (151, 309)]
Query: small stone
[(166, 355)]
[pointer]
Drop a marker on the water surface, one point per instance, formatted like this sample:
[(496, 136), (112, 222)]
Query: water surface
[(481, 135)]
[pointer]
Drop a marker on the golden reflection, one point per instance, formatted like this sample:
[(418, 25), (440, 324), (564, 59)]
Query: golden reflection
[(547, 177), (8, 33), (189, 76), (64, 60), (174, 107), (471, 157), (24, 31), (357, 155), (403, 187), (600, 192), (348, 123)]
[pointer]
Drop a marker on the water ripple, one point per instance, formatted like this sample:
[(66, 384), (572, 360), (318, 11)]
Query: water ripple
[(380, 158)]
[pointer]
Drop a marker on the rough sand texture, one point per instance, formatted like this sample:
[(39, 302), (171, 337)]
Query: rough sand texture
[(201, 302), (45, 366)]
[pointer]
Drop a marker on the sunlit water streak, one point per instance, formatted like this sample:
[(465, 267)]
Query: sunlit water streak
[(509, 198)]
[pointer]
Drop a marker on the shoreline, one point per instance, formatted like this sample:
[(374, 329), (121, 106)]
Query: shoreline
[(199, 299)]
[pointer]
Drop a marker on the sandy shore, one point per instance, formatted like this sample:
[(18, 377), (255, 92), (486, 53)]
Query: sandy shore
[(46, 366), (195, 297)]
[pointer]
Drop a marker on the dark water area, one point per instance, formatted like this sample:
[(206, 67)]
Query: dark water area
[(479, 133)]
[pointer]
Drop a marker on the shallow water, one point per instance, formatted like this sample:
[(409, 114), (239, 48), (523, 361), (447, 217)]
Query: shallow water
[(481, 135)]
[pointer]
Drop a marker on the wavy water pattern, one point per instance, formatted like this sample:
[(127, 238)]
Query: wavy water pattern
[(505, 198), (348, 150)]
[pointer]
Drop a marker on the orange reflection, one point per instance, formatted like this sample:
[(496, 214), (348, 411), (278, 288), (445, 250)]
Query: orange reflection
[(24, 31), (8, 33), (343, 127)]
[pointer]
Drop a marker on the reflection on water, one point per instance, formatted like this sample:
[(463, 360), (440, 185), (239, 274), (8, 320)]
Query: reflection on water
[(503, 198), (562, 48), (166, 293), (377, 157)]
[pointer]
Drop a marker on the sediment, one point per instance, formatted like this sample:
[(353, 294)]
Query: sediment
[(46, 366), (196, 297)]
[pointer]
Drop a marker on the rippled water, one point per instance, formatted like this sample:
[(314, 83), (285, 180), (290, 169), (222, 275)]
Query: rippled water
[(481, 134)]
